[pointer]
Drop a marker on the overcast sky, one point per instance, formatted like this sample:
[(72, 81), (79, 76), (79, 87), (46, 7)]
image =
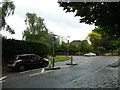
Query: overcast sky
[(56, 20)]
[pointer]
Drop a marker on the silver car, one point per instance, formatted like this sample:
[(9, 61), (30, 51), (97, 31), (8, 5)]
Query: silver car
[(90, 54)]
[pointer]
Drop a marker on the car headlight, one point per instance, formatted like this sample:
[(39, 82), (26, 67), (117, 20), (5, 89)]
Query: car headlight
[(14, 64)]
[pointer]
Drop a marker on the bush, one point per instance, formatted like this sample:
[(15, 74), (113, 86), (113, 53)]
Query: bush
[(12, 47), (101, 49), (117, 50)]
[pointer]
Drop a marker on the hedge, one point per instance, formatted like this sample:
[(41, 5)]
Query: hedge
[(13, 47)]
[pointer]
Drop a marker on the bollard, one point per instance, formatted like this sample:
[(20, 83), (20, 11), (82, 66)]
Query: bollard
[(71, 59), (50, 63), (71, 62)]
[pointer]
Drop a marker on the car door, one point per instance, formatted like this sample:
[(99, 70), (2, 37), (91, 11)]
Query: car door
[(38, 61), (29, 61)]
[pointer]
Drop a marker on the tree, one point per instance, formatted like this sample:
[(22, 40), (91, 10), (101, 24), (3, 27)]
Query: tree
[(85, 46), (63, 47), (116, 44), (36, 29), (7, 9), (102, 32), (57, 44), (49, 38), (104, 14), (100, 49), (73, 48), (95, 39), (106, 39)]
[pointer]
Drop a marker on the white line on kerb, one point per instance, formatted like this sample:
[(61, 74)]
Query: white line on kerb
[(3, 78)]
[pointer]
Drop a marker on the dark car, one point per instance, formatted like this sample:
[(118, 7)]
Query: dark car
[(26, 61)]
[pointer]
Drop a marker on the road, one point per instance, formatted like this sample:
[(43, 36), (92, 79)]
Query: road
[(87, 70)]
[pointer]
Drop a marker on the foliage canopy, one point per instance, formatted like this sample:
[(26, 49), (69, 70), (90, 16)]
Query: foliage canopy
[(104, 14), (36, 29), (6, 9), (95, 39)]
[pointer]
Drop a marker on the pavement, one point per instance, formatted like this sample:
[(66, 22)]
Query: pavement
[(115, 64)]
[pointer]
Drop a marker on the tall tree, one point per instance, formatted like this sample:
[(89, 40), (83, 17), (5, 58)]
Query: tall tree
[(95, 39), (6, 10), (57, 45), (104, 14), (102, 32), (73, 48), (106, 41), (36, 29), (63, 47), (85, 46)]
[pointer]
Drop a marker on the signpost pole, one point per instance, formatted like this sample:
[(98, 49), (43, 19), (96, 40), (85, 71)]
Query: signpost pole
[(53, 55), (68, 48)]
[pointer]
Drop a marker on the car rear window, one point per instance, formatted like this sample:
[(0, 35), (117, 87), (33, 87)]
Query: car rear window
[(23, 57), (13, 57)]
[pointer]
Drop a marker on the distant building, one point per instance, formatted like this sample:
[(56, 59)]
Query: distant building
[(76, 42)]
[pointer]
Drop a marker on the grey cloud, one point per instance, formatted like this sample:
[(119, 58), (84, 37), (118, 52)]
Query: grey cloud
[(59, 19)]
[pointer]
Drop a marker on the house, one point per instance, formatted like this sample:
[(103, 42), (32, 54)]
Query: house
[(76, 42)]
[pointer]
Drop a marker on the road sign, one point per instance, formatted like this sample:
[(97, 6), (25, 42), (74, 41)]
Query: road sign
[(53, 38), (68, 47)]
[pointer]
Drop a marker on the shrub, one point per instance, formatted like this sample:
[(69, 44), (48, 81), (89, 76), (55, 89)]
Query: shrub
[(12, 47)]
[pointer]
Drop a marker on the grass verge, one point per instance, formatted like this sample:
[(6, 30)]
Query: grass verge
[(60, 58)]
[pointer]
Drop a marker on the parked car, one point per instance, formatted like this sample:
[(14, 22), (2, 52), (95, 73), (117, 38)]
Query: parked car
[(90, 54), (25, 61)]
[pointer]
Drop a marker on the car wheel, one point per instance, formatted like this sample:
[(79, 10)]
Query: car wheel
[(21, 68)]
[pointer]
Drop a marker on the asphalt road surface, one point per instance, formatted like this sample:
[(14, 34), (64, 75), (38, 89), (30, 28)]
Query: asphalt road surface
[(65, 77)]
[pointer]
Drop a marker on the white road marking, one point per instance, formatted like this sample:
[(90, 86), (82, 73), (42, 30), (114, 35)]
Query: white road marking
[(2, 81), (26, 71), (31, 70), (43, 70), (39, 73), (3, 78), (34, 74), (98, 70)]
